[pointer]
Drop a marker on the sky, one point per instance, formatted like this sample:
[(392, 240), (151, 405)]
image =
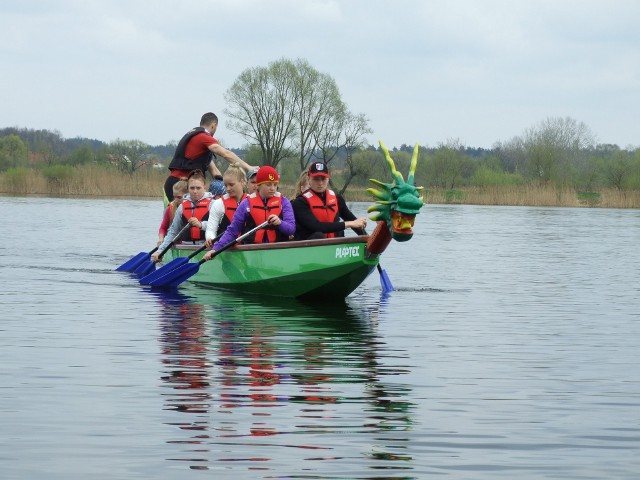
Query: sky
[(423, 71)]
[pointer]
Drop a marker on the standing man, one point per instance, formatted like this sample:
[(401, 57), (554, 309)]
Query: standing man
[(318, 210), (196, 150)]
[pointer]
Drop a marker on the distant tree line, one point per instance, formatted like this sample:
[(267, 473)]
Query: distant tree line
[(290, 115), (557, 152)]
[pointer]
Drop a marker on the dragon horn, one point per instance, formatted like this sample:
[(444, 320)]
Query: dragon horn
[(399, 179), (374, 208), (390, 161), (375, 192), (412, 169), (380, 184)]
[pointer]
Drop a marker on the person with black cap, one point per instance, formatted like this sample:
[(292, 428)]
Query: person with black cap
[(322, 213)]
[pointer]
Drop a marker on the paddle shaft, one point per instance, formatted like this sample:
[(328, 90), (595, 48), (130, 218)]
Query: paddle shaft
[(175, 239), (187, 270), (203, 247), (239, 239)]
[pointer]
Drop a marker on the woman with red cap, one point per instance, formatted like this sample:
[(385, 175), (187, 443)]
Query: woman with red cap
[(266, 203)]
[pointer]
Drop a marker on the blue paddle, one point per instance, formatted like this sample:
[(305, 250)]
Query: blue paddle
[(135, 261), (385, 282), (147, 266), (183, 272), (172, 265)]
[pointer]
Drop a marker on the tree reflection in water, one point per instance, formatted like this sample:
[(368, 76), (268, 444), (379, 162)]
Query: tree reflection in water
[(259, 377)]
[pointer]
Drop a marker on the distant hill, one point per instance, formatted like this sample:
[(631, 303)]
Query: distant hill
[(35, 140)]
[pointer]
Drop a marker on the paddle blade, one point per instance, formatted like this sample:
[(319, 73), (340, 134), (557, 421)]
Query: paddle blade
[(133, 263), (172, 265), (176, 276), (145, 268), (385, 282)]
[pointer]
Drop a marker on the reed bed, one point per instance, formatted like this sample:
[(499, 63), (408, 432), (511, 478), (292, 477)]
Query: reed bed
[(522, 195), (83, 181), (531, 195), (94, 181)]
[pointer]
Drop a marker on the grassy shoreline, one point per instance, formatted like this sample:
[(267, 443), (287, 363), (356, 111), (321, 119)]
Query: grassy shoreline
[(95, 182)]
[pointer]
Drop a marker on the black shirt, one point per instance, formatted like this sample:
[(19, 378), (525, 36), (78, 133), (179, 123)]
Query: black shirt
[(307, 223)]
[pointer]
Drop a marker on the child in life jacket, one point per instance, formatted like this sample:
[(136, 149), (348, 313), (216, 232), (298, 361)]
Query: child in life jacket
[(265, 204), (193, 210), (223, 208), (179, 191)]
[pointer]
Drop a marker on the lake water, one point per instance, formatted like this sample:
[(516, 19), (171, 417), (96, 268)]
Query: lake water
[(509, 350)]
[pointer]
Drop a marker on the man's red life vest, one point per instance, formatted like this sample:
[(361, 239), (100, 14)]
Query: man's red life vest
[(261, 212), (230, 207), (324, 211), (200, 210)]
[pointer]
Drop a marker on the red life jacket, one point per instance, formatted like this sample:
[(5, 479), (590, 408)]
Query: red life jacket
[(230, 207), (324, 211), (260, 213), (200, 210)]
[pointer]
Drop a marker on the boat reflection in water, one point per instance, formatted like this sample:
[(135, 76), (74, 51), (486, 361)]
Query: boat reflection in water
[(279, 385)]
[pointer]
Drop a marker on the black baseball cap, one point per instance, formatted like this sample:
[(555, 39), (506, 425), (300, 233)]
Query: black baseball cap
[(319, 169)]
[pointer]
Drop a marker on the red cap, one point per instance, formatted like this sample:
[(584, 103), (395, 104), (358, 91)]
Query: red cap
[(267, 174)]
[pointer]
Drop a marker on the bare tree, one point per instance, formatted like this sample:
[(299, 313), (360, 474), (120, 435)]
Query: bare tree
[(262, 103), (554, 146), (13, 152), (354, 129), (318, 107), (447, 163), (129, 155), (329, 139), (511, 155), (617, 169), (282, 108)]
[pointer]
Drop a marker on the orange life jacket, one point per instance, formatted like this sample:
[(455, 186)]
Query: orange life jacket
[(260, 213), (230, 207), (326, 211), (200, 210)]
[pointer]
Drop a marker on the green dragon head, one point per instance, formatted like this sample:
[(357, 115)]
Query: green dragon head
[(398, 202)]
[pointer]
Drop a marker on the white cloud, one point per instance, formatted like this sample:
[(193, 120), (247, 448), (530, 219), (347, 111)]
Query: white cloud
[(422, 71)]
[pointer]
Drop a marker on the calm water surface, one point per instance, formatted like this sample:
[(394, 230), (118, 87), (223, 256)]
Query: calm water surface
[(509, 350)]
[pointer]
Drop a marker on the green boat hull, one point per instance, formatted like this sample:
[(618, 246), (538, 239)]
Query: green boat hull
[(318, 269)]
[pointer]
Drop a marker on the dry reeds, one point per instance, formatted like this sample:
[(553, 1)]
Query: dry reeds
[(531, 195), (521, 195), (96, 181), (83, 181)]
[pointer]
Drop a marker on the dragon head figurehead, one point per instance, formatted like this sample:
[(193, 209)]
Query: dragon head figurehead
[(399, 202)]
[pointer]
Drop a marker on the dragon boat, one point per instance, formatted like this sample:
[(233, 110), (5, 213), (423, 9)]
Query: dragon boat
[(318, 269)]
